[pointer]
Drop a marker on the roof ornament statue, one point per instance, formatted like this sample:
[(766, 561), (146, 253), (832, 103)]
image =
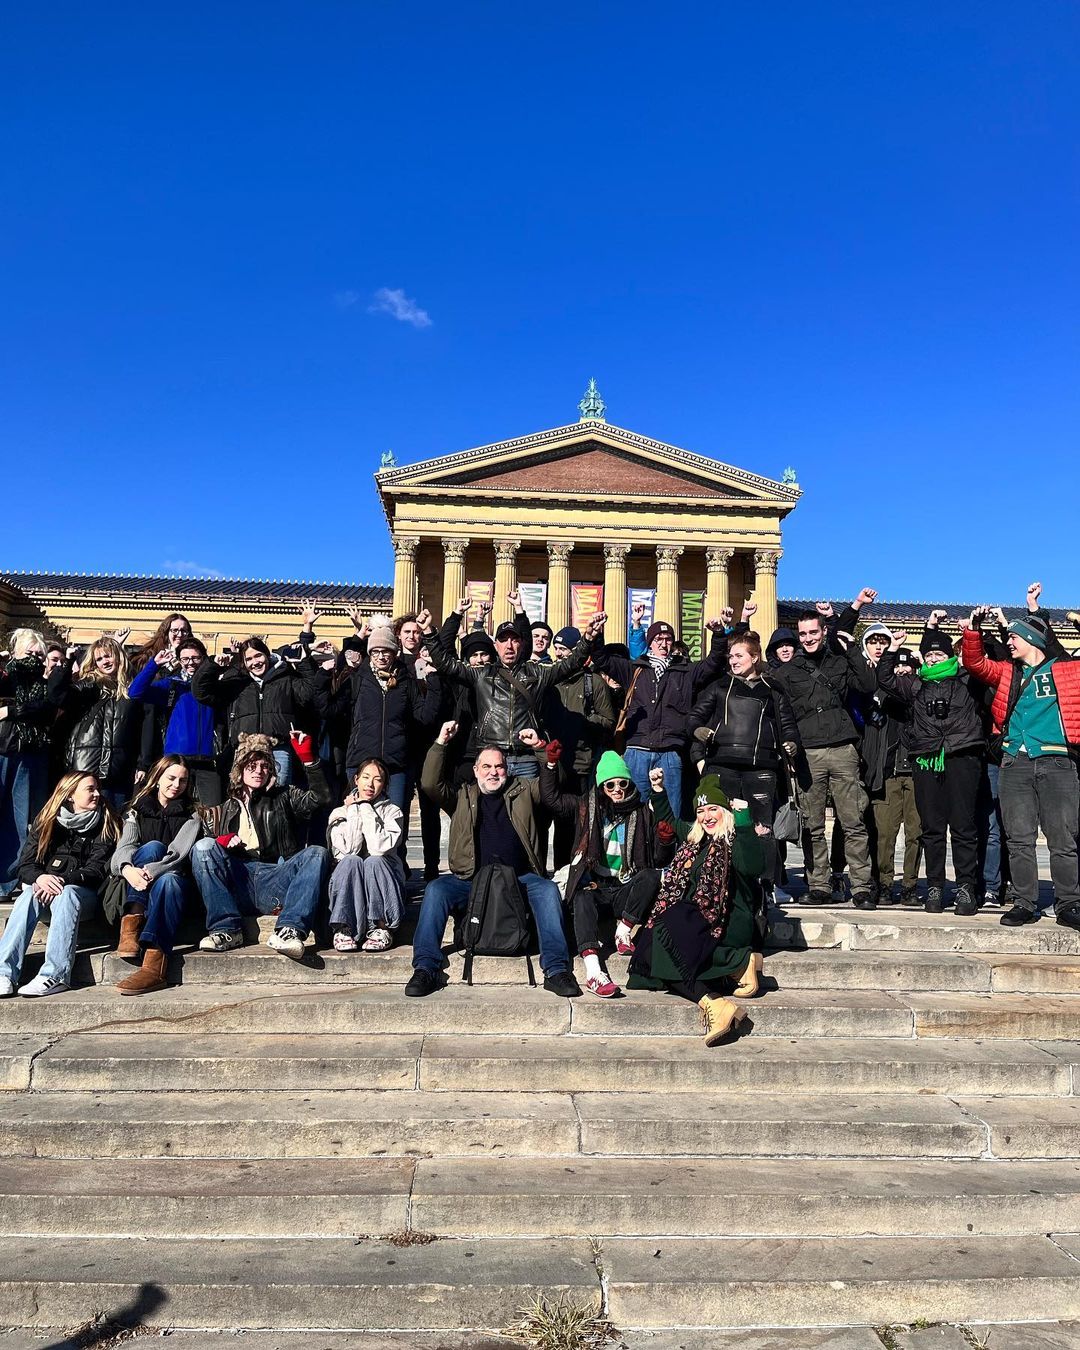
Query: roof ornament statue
[(788, 476), (592, 407), (387, 460)]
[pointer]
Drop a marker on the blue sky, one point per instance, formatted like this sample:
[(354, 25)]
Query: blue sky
[(840, 236)]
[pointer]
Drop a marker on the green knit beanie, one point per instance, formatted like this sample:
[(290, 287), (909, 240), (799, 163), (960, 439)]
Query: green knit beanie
[(710, 793), (612, 765)]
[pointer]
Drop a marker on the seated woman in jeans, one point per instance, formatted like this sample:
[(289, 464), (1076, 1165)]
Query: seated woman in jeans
[(161, 826), (61, 867)]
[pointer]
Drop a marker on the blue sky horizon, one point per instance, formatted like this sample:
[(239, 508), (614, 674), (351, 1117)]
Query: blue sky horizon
[(244, 252)]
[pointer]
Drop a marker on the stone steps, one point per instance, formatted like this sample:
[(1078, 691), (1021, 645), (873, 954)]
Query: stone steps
[(341, 1283), (532, 1198)]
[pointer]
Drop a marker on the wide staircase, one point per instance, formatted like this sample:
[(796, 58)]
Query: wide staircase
[(270, 1144)]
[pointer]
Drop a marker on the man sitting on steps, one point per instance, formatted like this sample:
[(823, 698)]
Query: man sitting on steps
[(491, 820)]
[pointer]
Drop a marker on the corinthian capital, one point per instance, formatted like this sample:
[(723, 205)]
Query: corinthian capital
[(405, 546), (667, 557), (506, 550), (717, 558), (454, 550), (559, 554), (615, 554), (767, 559)]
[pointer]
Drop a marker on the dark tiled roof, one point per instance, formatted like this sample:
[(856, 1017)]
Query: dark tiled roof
[(197, 588), (910, 611)]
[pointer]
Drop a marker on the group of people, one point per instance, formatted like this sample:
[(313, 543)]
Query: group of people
[(616, 782)]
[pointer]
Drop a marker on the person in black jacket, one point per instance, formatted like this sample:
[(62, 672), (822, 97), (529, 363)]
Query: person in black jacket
[(745, 727), (946, 740), (107, 725), (257, 864), (61, 867)]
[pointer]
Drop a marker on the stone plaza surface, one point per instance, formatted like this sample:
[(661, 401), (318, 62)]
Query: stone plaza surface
[(270, 1146)]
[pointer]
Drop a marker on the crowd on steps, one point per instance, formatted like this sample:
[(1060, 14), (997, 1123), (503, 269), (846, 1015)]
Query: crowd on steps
[(587, 784)]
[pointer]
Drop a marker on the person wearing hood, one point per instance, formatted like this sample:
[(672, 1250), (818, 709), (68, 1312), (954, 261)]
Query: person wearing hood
[(947, 746), (614, 861), (1036, 715), (782, 646), (886, 769), (698, 940)]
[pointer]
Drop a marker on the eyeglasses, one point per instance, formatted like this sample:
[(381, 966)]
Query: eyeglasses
[(623, 783)]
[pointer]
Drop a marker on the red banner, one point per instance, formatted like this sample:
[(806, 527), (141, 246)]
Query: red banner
[(586, 599)]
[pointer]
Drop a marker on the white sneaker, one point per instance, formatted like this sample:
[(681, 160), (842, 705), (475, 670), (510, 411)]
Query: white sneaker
[(222, 941), (288, 942), (7, 987), (43, 984)]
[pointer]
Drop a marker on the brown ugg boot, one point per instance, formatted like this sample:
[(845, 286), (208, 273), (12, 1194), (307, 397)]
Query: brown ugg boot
[(149, 976), (130, 927)]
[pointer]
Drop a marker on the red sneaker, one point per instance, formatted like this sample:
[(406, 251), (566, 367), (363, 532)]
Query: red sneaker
[(624, 946), (602, 986)]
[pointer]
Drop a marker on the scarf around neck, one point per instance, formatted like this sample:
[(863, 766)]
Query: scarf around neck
[(79, 822), (941, 670)]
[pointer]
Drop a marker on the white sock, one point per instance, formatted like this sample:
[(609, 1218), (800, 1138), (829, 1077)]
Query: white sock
[(593, 968), (622, 931)]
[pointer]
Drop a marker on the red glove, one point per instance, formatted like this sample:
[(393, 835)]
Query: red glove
[(665, 831), (554, 751), (304, 747), (226, 839)]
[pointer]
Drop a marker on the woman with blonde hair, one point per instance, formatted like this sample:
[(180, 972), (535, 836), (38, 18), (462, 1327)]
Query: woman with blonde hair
[(27, 714), (698, 941), (161, 826), (61, 867), (104, 738)]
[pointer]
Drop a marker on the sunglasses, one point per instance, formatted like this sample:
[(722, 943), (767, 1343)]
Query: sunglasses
[(623, 783)]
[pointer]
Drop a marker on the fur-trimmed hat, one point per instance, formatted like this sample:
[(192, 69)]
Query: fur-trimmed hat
[(250, 745)]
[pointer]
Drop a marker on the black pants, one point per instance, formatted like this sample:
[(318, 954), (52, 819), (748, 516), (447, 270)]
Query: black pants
[(631, 900), (947, 804), (564, 835), (757, 787)]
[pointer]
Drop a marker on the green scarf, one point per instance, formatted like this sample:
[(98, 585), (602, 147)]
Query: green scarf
[(941, 670)]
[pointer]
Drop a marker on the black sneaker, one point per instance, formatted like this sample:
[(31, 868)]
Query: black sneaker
[(1013, 918), (864, 900), (820, 898), (909, 898), (561, 983), (1070, 916), (935, 900), (423, 982), (991, 898), (965, 903)]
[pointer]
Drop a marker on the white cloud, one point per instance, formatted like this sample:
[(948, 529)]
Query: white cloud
[(178, 567), (398, 305)]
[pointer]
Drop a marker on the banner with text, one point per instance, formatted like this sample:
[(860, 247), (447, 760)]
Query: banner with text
[(691, 620), (534, 600), (480, 593), (637, 595), (586, 599)]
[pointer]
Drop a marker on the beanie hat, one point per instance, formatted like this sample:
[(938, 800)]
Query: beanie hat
[(710, 793), (933, 641), (1033, 629), (874, 630), (656, 630), (475, 641), (566, 637), (383, 639), (612, 765), (539, 623), (905, 658)]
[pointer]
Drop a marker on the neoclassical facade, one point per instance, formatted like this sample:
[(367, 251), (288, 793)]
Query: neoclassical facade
[(589, 503)]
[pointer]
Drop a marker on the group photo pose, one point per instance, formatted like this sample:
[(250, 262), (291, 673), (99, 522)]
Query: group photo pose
[(582, 795)]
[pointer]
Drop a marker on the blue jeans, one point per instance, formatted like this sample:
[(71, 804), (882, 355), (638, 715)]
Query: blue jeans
[(231, 887), (450, 894), (283, 766), (639, 762), (990, 829), (23, 790), (522, 766), (65, 911), (164, 900)]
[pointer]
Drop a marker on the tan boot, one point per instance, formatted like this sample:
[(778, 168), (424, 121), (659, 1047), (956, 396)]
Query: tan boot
[(747, 986), (149, 976), (719, 1017), (130, 927)]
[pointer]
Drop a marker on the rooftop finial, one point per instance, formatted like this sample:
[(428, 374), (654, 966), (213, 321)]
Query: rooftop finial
[(387, 460), (592, 407), (789, 477)]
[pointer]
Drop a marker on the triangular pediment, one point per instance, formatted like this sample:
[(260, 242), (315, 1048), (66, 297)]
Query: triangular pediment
[(587, 458)]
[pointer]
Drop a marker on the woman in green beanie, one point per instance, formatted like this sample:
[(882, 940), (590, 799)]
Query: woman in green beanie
[(698, 940)]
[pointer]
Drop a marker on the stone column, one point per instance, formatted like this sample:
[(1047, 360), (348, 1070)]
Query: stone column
[(558, 592), (453, 583), (405, 546), (717, 591), (615, 590), (667, 583), (506, 551), (766, 562)]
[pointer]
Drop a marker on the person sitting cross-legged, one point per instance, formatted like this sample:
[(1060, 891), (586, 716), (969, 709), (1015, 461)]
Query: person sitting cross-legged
[(367, 887), (257, 864), (492, 819)]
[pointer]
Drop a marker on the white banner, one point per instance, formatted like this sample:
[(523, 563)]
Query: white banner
[(534, 600)]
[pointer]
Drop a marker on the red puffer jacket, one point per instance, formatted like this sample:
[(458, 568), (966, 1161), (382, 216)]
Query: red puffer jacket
[(1001, 676)]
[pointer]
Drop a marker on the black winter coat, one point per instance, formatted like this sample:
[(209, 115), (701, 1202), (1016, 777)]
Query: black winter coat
[(280, 815), (945, 714), (288, 696), (106, 735), (820, 690), (32, 704), (750, 722), (78, 859), (387, 720), (656, 719)]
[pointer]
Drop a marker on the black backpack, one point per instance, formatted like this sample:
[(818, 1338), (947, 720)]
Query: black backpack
[(497, 920)]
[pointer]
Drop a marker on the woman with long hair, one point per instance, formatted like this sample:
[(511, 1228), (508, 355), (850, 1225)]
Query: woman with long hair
[(104, 739), (167, 637), (61, 867), (698, 941), (367, 886), (161, 826)]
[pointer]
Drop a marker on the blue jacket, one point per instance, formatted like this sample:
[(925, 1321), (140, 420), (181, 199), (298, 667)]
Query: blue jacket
[(189, 729)]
